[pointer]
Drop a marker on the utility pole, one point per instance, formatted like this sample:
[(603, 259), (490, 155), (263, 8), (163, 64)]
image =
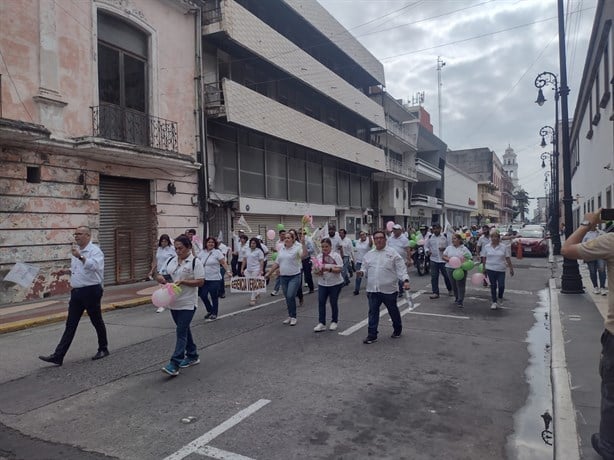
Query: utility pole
[(440, 65)]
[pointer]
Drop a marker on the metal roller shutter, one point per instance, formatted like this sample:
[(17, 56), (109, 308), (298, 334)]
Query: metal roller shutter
[(260, 223), (126, 229)]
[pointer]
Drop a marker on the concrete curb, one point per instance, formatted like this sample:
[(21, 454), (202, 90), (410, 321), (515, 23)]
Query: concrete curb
[(58, 317), (566, 445)]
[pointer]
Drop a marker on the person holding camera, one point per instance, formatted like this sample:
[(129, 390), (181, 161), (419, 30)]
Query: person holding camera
[(601, 247)]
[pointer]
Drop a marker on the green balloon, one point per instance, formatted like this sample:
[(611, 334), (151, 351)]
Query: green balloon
[(458, 274), (467, 265), (468, 257), (274, 256), (280, 227), (412, 244), (481, 268)]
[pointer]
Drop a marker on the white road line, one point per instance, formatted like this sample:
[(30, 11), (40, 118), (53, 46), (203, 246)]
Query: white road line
[(437, 314), (206, 438), (214, 452), (384, 311)]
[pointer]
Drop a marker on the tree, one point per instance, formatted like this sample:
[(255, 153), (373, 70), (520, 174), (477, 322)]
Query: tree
[(522, 204)]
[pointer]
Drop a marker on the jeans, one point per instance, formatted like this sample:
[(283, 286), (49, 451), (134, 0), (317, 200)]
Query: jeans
[(83, 299), (222, 288), (457, 286), (357, 265), (345, 271), (307, 273), (390, 301), (436, 268), (606, 371), (594, 267), (332, 293), (235, 265), (277, 284), (184, 346), (496, 279), (290, 286), (209, 293)]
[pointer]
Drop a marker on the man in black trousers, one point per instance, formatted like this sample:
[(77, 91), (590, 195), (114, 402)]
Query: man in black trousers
[(87, 273)]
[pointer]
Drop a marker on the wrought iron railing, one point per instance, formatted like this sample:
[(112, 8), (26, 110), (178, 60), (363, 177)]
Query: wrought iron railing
[(401, 167), (214, 99), (126, 125), (212, 15)]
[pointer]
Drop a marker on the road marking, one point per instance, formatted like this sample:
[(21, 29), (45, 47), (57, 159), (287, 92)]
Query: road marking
[(206, 438), (214, 452), (383, 312), (437, 314)]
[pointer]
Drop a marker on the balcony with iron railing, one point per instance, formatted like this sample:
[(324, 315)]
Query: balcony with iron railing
[(212, 14), (401, 131), (117, 123), (490, 197), (214, 100), (420, 199), (402, 168)]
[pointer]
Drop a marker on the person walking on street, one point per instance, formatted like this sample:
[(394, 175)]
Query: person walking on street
[(87, 275), (252, 264), (212, 259), (456, 249), (596, 267), (601, 247), (483, 240), (306, 262), (189, 275), (289, 264), (197, 243), (164, 251), (278, 245), (382, 267), (363, 245), (330, 282), (225, 250), (435, 245), (400, 243), (346, 255), (496, 257)]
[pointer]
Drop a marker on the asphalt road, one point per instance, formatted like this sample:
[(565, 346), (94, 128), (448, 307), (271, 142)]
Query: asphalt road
[(449, 388)]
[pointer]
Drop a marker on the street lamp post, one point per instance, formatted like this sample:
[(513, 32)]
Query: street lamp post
[(554, 168), (571, 281)]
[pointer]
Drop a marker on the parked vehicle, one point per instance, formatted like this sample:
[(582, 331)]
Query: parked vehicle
[(533, 240), (421, 260)]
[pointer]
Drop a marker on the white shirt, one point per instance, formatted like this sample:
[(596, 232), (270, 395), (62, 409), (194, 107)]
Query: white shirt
[(253, 257), (495, 256), (453, 251), (187, 299), (360, 249), (163, 254), (482, 242), (591, 235), (243, 250), (223, 249), (383, 268), (211, 262), (399, 244), (335, 242), (436, 245), (290, 260), (327, 278), (346, 246), (89, 273)]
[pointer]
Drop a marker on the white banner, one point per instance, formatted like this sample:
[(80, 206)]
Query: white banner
[(22, 274), (243, 284)]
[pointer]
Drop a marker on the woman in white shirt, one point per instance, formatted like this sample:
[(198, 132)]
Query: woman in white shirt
[(363, 245), (596, 266), (456, 249), (496, 256), (330, 283), (289, 263), (252, 264), (212, 259), (164, 251)]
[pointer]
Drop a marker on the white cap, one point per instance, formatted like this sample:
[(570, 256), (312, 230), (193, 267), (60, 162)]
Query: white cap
[(397, 227)]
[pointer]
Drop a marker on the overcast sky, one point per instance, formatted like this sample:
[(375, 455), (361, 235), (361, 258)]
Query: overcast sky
[(493, 50)]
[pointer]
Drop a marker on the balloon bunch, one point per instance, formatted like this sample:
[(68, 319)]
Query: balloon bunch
[(461, 267), (316, 264), (166, 295)]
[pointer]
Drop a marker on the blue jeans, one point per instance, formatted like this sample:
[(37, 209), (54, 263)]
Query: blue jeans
[(222, 289), (357, 265), (184, 346), (345, 270), (277, 284), (209, 293), (496, 279), (606, 371), (390, 301), (594, 267), (436, 268), (457, 286), (290, 286), (332, 293)]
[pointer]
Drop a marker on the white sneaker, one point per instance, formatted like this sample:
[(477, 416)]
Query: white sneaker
[(160, 310), (332, 327), (287, 320), (596, 290), (494, 306), (500, 302), (604, 291), (292, 321), (274, 293), (319, 328)]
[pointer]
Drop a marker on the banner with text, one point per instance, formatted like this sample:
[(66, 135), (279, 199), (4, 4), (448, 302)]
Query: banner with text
[(243, 284)]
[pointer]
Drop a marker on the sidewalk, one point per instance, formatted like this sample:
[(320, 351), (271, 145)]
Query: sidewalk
[(55, 309)]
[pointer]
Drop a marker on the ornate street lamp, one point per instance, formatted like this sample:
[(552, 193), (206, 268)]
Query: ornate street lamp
[(571, 281)]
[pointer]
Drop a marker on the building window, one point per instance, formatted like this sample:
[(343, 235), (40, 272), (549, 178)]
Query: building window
[(122, 80)]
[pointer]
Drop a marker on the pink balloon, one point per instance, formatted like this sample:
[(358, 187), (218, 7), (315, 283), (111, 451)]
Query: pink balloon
[(389, 225), (477, 279), (454, 262), (270, 234), (162, 297)]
